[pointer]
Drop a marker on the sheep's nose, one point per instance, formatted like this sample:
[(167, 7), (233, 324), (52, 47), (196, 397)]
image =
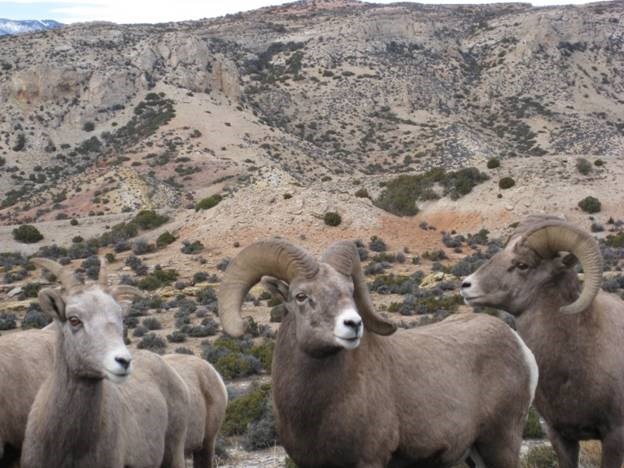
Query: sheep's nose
[(353, 323), (466, 284), (123, 361)]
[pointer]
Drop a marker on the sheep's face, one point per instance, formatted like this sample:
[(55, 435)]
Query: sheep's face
[(92, 329), (324, 310), (512, 278)]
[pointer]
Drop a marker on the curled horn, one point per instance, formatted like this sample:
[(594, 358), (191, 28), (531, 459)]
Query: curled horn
[(119, 292), (552, 237), (66, 277), (275, 257), (125, 291), (344, 257)]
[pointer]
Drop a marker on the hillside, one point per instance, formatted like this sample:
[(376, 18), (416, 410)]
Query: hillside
[(155, 115)]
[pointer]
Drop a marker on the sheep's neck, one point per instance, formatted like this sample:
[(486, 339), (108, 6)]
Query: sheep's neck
[(75, 413), (309, 394), (565, 332)]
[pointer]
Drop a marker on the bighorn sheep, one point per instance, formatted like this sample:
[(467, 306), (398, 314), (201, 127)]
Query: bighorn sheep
[(206, 410), (577, 338), (345, 395), (26, 359), (101, 407)]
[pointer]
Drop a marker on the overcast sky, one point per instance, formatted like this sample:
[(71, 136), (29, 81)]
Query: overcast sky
[(153, 11)]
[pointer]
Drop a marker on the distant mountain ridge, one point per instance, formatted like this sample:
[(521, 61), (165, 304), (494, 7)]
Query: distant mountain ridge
[(8, 26), (106, 118)]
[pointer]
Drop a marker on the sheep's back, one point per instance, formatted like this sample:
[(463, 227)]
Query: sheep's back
[(26, 359)]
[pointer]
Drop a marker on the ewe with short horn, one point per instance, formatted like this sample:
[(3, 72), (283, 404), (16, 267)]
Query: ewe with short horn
[(81, 417), (575, 331), (347, 394)]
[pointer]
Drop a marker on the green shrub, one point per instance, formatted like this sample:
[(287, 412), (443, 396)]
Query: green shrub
[(88, 126), (362, 193), (207, 296), (590, 205), (262, 433), (243, 410), (332, 218), (7, 321), (616, 240), (229, 343), (31, 289), (400, 195), (20, 144), (157, 279), (165, 239), (191, 248), (236, 365), (542, 456), (377, 244), (90, 145), (152, 323), (208, 202), (506, 183), (533, 428), (27, 233), (493, 163), (149, 219), (149, 283), (264, 353), (583, 166), (152, 342), (176, 336)]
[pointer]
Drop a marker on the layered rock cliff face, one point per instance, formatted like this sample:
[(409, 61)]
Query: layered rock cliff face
[(313, 88)]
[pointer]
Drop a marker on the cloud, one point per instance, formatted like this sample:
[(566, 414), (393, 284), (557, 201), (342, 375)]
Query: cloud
[(136, 11), (154, 11)]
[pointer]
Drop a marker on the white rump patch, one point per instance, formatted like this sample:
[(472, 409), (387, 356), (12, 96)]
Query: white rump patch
[(223, 387), (531, 363)]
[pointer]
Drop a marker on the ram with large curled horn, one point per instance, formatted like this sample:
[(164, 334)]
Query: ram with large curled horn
[(350, 392), (575, 330)]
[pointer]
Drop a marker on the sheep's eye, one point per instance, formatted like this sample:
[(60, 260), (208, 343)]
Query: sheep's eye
[(74, 321), (522, 266), (301, 297)]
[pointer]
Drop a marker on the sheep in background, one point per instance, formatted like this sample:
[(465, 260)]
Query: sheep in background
[(207, 403), (101, 407), (26, 359), (346, 395), (577, 338)]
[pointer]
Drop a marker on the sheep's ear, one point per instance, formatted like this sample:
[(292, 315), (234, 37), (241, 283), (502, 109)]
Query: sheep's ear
[(569, 260), (52, 303), (276, 287)]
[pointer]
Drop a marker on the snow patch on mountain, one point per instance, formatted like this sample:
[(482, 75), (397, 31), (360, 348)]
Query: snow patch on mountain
[(8, 26)]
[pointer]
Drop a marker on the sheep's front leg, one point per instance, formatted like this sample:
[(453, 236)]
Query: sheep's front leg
[(613, 449)]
